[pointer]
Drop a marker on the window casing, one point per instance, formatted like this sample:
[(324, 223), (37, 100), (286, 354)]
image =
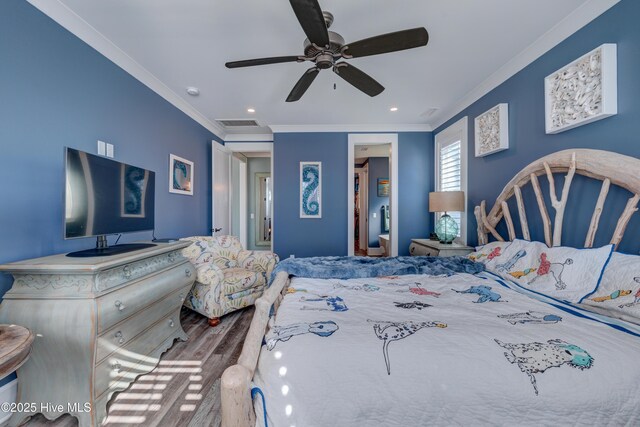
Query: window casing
[(451, 167)]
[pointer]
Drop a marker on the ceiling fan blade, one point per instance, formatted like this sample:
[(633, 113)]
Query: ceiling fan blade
[(358, 79), (311, 20), (303, 84), (263, 61), (385, 43)]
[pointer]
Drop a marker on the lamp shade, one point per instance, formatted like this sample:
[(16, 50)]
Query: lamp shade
[(446, 201)]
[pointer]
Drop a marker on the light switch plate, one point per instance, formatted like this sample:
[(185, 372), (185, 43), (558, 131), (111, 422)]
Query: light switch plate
[(375, 214), (102, 148), (252, 216), (110, 150)]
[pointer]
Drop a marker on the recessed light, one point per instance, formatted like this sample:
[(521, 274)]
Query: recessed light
[(393, 109), (193, 91), (251, 110)]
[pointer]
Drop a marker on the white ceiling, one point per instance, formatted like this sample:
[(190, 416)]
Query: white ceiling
[(187, 43)]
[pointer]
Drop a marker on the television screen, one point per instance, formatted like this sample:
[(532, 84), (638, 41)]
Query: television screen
[(103, 196)]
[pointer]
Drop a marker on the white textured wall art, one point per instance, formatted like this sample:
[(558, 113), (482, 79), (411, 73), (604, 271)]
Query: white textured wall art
[(582, 92), (492, 130)]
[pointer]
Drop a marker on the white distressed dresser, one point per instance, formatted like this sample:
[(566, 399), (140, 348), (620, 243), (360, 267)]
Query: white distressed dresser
[(99, 323)]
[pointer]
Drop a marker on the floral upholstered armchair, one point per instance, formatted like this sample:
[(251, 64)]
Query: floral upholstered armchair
[(228, 277)]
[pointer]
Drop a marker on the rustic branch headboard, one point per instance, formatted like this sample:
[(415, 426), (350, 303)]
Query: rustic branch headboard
[(606, 166)]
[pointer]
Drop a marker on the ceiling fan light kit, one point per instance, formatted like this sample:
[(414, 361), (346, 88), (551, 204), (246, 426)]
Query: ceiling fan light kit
[(326, 48)]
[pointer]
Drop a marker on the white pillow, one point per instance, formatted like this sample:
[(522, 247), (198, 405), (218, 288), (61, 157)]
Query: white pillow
[(487, 253), (619, 292), (561, 272)]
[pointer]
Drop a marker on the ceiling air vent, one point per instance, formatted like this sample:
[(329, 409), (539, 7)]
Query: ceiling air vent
[(238, 123)]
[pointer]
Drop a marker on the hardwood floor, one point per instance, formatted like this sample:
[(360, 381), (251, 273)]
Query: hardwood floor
[(184, 389)]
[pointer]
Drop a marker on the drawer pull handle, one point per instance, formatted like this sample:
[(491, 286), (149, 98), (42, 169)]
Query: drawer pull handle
[(120, 337), (119, 305), (172, 256), (117, 367), (171, 323), (126, 271), (187, 272)]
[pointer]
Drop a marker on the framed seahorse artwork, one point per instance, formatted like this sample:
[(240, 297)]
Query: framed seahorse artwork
[(310, 189)]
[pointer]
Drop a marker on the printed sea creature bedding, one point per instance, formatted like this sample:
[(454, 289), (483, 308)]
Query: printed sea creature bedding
[(459, 350)]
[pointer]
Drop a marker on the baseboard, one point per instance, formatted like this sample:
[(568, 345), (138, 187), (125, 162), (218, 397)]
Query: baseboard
[(375, 251), (8, 393)]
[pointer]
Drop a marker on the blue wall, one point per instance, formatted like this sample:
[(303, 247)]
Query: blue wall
[(378, 168), (328, 235), (57, 91), (525, 94)]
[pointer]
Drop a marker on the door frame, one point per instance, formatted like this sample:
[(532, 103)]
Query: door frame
[(239, 193), (218, 146), (254, 147), (373, 139), (363, 175)]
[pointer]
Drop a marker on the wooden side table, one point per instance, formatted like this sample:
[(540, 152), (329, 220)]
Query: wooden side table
[(426, 247), (15, 347)]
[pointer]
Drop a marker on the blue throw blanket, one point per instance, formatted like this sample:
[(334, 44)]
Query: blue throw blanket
[(358, 267)]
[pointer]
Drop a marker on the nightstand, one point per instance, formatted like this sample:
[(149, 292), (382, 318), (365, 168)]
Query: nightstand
[(426, 247)]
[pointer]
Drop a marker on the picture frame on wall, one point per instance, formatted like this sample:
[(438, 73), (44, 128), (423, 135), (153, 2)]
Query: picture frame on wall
[(310, 189), (584, 91), (492, 130), (383, 187), (180, 175)]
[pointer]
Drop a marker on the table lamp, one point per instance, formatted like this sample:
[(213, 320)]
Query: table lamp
[(446, 201)]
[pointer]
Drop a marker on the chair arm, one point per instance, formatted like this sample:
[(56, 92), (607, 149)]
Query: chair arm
[(258, 261), (209, 274)]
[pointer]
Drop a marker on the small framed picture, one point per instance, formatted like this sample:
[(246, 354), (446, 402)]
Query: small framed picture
[(310, 190), (383, 187), (180, 175)]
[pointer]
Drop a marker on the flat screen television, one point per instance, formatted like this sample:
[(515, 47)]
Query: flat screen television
[(105, 197)]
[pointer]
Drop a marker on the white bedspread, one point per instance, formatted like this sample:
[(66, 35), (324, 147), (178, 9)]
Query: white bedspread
[(460, 350)]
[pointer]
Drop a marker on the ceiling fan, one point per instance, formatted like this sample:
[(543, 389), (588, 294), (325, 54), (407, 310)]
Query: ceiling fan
[(325, 48)]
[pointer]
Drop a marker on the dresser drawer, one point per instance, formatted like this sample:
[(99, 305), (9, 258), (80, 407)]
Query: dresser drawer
[(125, 302), (122, 366), (135, 270), (125, 332), (419, 250)]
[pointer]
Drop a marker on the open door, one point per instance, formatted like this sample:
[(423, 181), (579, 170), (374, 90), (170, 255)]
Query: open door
[(220, 207)]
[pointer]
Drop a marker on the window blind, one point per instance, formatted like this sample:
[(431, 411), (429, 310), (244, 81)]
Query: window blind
[(450, 173)]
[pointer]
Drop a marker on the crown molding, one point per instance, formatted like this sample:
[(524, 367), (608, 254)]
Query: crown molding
[(91, 36), (351, 128), (249, 147), (249, 137), (563, 29)]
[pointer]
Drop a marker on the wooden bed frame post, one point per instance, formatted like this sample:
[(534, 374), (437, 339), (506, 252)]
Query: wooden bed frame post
[(235, 385), (237, 406)]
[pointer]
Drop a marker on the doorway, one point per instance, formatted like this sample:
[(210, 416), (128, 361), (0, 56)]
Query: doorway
[(251, 194), (373, 195)]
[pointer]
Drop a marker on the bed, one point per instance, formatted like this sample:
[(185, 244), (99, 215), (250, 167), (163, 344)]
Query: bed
[(540, 334)]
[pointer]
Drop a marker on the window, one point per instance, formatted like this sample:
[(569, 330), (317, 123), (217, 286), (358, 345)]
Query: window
[(451, 167)]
